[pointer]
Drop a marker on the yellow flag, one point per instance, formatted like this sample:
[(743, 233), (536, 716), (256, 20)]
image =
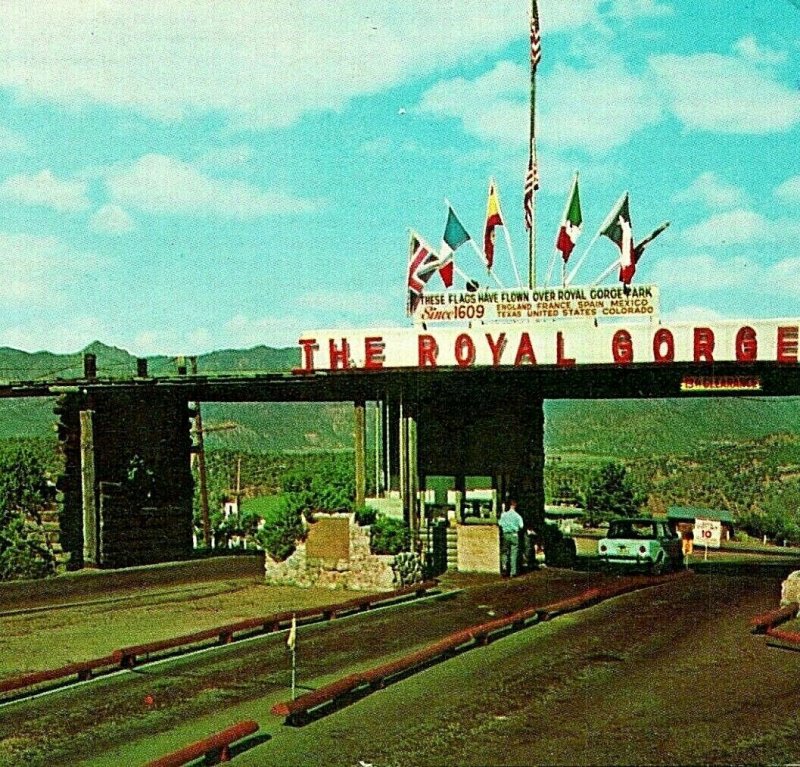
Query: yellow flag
[(292, 638)]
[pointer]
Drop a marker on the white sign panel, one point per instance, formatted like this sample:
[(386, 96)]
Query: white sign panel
[(708, 532), (560, 344), (517, 304)]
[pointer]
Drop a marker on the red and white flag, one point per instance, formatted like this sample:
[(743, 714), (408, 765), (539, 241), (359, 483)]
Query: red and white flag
[(423, 262)]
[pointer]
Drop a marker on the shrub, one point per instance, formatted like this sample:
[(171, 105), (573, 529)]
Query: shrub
[(389, 535), (366, 515), (279, 537), (24, 494)]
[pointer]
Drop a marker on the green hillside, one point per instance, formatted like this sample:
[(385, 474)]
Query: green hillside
[(624, 429), (635, 428)]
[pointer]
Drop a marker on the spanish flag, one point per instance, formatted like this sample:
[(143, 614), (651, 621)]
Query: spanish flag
[(493, 219)]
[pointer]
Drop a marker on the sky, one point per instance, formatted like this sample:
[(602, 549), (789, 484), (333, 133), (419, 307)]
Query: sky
[(179, 176)]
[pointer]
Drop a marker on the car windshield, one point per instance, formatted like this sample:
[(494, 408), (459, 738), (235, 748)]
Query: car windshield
[(628, 528)]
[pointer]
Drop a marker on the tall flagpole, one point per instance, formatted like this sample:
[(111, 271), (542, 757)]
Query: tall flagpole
[(536, 55)]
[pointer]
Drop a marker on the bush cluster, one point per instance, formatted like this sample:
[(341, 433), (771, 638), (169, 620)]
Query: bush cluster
[(389, 535)]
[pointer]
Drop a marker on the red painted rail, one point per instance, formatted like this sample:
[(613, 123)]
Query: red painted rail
[(82, 671), (127, 657), (216, 746), (763, 623), (295, 709)]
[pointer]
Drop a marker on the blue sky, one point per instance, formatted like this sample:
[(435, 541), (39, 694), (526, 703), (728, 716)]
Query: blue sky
[(178, 177)]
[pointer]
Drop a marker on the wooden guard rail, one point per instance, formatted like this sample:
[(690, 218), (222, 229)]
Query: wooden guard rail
[(215, 746), (481, 634), (127, 657), (765, 622), (82, 671)]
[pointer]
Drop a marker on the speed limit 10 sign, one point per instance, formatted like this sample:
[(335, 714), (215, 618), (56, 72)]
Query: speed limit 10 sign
[(707, 532)]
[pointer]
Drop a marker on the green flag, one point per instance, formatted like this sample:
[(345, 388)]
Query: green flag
[(454, 233)]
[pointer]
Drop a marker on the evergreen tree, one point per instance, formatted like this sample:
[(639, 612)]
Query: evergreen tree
[(611, 494)]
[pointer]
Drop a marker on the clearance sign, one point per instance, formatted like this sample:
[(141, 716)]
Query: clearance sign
[(552, 344)]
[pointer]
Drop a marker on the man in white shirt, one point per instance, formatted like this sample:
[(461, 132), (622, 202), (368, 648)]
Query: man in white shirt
[(510, 523)]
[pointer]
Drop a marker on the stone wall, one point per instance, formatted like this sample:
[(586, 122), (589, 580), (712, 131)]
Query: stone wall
[(790, 589), (479, 548), (361, 571)]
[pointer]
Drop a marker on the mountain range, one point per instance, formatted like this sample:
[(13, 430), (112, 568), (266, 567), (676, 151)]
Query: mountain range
[(624, 429)]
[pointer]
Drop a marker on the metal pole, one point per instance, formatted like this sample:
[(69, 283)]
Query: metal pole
[(535, 56)]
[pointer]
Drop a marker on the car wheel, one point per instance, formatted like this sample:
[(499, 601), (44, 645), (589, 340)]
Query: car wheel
[(657, 567)]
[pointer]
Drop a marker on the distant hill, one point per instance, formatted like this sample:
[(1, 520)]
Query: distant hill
[(624, 429), (113, 362)]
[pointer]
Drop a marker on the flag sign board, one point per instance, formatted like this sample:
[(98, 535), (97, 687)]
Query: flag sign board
[(518, 304), (708, 532)]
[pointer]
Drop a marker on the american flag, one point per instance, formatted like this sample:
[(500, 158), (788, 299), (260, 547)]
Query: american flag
[(531, 186), (536, 39)]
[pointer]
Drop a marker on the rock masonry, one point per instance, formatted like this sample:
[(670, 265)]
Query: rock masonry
[(363, 571)]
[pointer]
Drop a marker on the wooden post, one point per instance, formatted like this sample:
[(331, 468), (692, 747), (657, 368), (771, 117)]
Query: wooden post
[(402, 444), (201, 470), (88, 493), (201, 465), (360, 446), (378, 448), (413, 478)]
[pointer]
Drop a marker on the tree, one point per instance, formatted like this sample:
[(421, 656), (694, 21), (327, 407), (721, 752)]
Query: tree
[(24, 494), (610, 493)]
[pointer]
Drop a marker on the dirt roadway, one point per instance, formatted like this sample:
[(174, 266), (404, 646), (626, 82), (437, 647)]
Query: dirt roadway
[(664, 676), (669, 675)]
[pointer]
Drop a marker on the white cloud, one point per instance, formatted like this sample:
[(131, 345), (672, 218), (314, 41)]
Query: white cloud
[(43, 188), (224, 157), (693, 314), (749, 49), (715, 274), (789, 190), (782, 276), (59, 338), (726, 94), (283, 330), (112, 219), (606, 105), (12, 142), (630, 9), (164, 185), (491, 106), (35, 268), (260, 63), (736, 227), (714, 192)]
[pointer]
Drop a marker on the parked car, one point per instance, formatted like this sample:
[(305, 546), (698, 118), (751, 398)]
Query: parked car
[(641, 543)]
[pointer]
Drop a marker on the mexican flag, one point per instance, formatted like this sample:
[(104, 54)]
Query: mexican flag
[(617, 227), (571, 223)]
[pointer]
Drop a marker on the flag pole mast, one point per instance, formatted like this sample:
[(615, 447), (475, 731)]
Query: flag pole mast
[(535, 56)]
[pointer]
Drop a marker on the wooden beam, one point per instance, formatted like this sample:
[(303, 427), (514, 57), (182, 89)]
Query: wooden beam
[(88, 492), (360, 446)]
